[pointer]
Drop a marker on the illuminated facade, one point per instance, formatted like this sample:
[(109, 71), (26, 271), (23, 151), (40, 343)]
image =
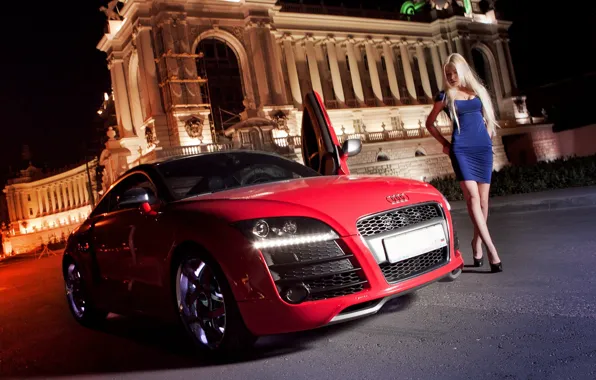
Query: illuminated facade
[(193, 76), (44, 209), (204, 75)]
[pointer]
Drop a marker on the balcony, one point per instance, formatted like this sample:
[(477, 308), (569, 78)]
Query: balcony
[(286, 146)]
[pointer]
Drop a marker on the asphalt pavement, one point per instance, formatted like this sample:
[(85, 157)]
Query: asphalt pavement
[(535, 320)]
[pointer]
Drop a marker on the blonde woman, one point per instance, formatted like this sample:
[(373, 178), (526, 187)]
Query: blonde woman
[(470, 108)]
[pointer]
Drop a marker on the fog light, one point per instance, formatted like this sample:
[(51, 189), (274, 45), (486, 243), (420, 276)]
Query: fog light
[(296, 294)]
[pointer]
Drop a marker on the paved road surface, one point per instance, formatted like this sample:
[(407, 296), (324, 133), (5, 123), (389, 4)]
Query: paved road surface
[(536, 320)]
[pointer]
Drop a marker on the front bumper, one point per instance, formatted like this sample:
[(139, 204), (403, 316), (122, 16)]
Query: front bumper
[(273, 315)]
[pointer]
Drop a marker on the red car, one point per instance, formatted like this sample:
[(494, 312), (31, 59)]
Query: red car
[(240, 244)]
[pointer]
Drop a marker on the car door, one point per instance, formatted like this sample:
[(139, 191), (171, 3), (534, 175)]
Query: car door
[(111, 235), (321, 150), (145, 247)]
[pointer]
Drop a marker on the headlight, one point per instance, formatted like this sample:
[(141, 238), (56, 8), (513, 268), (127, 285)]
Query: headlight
[(285, 231)]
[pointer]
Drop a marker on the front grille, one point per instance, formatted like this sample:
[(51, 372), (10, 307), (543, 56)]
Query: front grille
[(398, 218), (414, 266), (323, 267)]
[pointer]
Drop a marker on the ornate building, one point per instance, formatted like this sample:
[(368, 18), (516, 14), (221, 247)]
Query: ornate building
[(203, 75), (193, 76), (44, 208)]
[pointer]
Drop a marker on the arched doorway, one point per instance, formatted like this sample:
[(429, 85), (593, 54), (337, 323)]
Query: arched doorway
[(482, 66), (220, 66)]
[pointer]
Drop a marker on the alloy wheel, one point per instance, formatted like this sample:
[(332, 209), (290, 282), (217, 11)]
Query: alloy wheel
[(201, 302), (74, 290)]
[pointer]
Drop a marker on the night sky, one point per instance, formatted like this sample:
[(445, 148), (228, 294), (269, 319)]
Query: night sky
[(54, 77)]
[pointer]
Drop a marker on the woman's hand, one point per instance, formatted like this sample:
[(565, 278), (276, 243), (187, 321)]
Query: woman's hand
[(446, 148)]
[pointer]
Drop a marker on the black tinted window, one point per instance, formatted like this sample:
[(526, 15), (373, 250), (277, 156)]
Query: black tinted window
[(109, 203), (221, 171)]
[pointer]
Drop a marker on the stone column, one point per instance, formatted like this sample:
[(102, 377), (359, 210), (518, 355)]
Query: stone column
[(80, 185), (371, 57), (503, 67), (459, 47), (123, 113), (259, 64), (437, 65), (46, 198), (71, 194), (275, 72), (468, 49), (11, 211), (63, 201), (75, 194), (77, 185), (39, 203), (510, 63), (85, 189), (405, 60), (23, 205), (338, 88), (390, 64), (443, 50), (313, 67), (17, 205), (149, 69), (423, 69), (53, 198), (354, 71), (292, 70)]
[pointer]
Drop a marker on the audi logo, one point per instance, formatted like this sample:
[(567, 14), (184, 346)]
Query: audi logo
[(397, 198)]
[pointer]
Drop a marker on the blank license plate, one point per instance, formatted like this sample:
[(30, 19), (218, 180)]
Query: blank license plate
[(417, 242)]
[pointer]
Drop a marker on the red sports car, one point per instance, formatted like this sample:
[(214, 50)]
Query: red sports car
[(240, 244)]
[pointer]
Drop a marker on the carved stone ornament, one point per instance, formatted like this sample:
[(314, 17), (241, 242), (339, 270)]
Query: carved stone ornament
[(281, 120), (194, 127), (238, 32), (111, 11), (150, 137)]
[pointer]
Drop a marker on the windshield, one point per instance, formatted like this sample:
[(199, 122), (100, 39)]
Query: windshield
[(210, 173)]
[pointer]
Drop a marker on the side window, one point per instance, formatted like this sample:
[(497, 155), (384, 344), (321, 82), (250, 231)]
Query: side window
[(102, 207), (135, 180), (109, 203)]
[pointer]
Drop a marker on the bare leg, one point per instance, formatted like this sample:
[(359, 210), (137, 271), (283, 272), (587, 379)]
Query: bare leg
[(472, 195), (483, 190)]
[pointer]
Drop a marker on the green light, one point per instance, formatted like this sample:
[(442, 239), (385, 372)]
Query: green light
[(409, 7), (468, 6)]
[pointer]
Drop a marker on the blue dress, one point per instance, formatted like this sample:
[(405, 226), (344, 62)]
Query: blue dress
[(471, 147)]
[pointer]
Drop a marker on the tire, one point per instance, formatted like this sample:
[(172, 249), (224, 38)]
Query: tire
[(206, 306), (77, 297), (453, 274)]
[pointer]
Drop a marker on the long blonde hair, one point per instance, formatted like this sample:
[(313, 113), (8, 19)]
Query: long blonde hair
[(468, 79)]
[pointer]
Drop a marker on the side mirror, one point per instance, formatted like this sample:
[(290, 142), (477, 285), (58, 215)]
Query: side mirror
[(351, 147), (135, 197)]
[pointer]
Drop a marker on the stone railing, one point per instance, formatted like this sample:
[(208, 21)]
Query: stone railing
[(191, 150), (286, 145), (399, 134)]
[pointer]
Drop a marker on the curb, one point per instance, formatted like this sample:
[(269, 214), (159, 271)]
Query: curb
[(542, 201)]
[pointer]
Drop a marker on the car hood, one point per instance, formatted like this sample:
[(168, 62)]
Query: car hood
[(338, 200)]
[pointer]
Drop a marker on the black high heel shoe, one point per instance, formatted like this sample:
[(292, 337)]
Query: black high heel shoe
[(478, 262), (494, 268)]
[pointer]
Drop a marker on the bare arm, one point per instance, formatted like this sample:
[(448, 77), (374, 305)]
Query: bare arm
[(430, 121)]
